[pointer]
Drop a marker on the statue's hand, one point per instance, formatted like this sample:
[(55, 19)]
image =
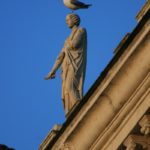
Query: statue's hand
[(51, 75), (68, 44), (66, 41)]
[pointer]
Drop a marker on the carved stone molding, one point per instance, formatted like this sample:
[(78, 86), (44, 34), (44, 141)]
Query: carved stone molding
[(67, 146), (50, 136), (132, 141), (143, 11), (145, 125)]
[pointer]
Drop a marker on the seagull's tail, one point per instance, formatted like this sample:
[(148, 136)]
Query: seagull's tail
[(87, 5)]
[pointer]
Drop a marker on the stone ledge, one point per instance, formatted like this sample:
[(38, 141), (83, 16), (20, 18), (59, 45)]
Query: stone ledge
[(143, 11), (50, 137)]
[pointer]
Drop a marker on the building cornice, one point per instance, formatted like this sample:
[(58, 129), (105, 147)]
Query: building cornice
[(143, 11)]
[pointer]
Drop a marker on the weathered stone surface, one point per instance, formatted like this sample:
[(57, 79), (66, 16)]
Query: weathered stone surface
[(143, 11), (72, 58), (118, 102)]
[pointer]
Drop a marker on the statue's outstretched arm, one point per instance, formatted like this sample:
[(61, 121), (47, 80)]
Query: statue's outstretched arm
[(57, 64)]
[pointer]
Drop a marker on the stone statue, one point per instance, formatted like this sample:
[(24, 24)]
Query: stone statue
[(72, 58)]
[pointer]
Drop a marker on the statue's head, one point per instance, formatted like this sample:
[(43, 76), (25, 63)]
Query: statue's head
[(72, 20)]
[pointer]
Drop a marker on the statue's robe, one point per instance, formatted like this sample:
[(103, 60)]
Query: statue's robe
[(73, 61)]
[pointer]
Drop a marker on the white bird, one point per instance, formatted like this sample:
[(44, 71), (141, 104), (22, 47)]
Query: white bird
[(75, 4)]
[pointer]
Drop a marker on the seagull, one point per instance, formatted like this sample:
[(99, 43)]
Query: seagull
[(75, 4)]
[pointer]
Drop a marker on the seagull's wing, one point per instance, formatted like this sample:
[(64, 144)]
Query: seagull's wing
[(77, 3)]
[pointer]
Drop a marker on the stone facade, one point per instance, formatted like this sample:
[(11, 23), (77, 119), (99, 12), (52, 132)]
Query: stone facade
[(115, 113)]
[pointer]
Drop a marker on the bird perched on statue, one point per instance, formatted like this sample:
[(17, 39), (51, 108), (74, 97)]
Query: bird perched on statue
[(75, 4)]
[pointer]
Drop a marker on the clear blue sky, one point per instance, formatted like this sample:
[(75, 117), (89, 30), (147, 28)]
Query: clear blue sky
[(32, 33)]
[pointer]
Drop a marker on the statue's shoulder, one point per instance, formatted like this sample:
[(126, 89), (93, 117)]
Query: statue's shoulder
[(82, 30)]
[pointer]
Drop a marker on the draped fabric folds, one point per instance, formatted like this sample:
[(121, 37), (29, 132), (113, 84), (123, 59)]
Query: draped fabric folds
[(73, 61)]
